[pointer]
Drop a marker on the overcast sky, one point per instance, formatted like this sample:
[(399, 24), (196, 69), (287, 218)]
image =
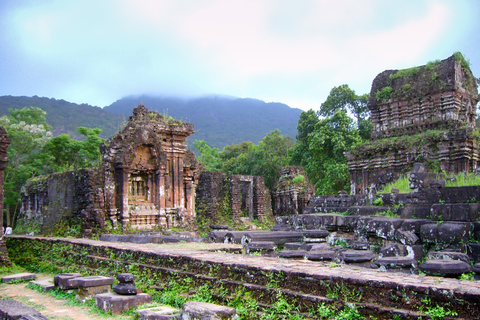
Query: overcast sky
[(98, 51)]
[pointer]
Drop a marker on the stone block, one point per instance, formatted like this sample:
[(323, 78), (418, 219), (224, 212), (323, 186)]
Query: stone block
[(448, 255), (476, 268), (393, 250), (446, 234), (46, 285), (445, 267), (19, 277), (473, 251), (125, 288), (117, 304), (416, 252), (88, 293), (455, 212), (383, 227), (414, 225), (356, 256), (12, 309), (396, 262), (321, 255), (292, 254), (92, 281), (316, 246), (292, 245), (415, 211), (125, 277), (33, 317), (62, 280), (158, 313), (261, 246), (316, 234), (406, 237), (207, 311)]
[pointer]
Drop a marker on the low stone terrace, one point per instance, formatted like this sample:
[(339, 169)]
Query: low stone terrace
[(307, 284)]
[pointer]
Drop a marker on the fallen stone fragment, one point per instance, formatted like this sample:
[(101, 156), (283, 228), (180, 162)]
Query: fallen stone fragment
[(449, 255), (125, 277), (62, 280), (158, 313), (117, 304), (207, 311), (125, 288), (321, 255), (19, 277), (292, 245), (396, 262), (46, 285), (12, 309), (356, 256), (476, 268), (292, 254), (261, 246), (443, 267)]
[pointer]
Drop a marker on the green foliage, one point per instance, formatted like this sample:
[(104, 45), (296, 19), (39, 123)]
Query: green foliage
[(383, 94), (298, 179), (208, 156), (345, 99), (463, 180), (401, 184), (468, 276), (320, 149), (66, 154), (410, 72), (378, 201)]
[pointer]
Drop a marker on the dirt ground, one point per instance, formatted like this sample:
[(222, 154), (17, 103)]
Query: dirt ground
[(52, 308)]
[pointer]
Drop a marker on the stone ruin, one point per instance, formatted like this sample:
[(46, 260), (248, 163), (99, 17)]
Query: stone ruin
[(146, 179), (242, 197), (426, 114), (4, 143), (291, 196)]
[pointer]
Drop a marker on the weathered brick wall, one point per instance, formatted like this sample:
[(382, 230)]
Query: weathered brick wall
[(73, 195), (236, 195)]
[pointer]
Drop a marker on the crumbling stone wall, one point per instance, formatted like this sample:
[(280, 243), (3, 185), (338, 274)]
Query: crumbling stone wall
[(291, 197), (425, 113), (147, 179), (67, 197), (236, 195)]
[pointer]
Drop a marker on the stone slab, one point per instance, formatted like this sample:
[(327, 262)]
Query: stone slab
[(396, 262), (158, 313), (19, 277), (46, 285), (12, 309), (292, 254), (445, 267), (207, 311), (117, 304), (62, 280), (33, 317), (356, 256), (92, 281), (320, 255)]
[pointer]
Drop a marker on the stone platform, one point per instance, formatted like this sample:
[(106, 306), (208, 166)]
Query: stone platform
[(304, 282)]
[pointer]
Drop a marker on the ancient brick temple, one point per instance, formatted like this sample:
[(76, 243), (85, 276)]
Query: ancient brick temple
[(147, 179), (291, 196), (425, 113)]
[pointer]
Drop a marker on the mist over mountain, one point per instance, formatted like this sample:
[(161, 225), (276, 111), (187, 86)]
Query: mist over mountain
[(219, 120)]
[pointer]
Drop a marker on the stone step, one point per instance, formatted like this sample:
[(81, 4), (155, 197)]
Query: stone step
[(259, 273), (24, 276), (278, 237)]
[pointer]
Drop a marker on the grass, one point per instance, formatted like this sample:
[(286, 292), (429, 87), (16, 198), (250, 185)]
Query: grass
[(401, 184), (464, 180)]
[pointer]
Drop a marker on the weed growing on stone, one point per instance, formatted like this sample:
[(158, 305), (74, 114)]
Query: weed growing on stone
[(401, 184), (468, 276), (435, 312), (464, 180)]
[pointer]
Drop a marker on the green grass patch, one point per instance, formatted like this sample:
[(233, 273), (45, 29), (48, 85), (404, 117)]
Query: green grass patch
[(401, 184), (463, 180)]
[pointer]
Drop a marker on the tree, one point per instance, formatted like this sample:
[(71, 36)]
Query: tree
[(344, 98), (208, 156), (66, 154), (28, 130), (321, 150)]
